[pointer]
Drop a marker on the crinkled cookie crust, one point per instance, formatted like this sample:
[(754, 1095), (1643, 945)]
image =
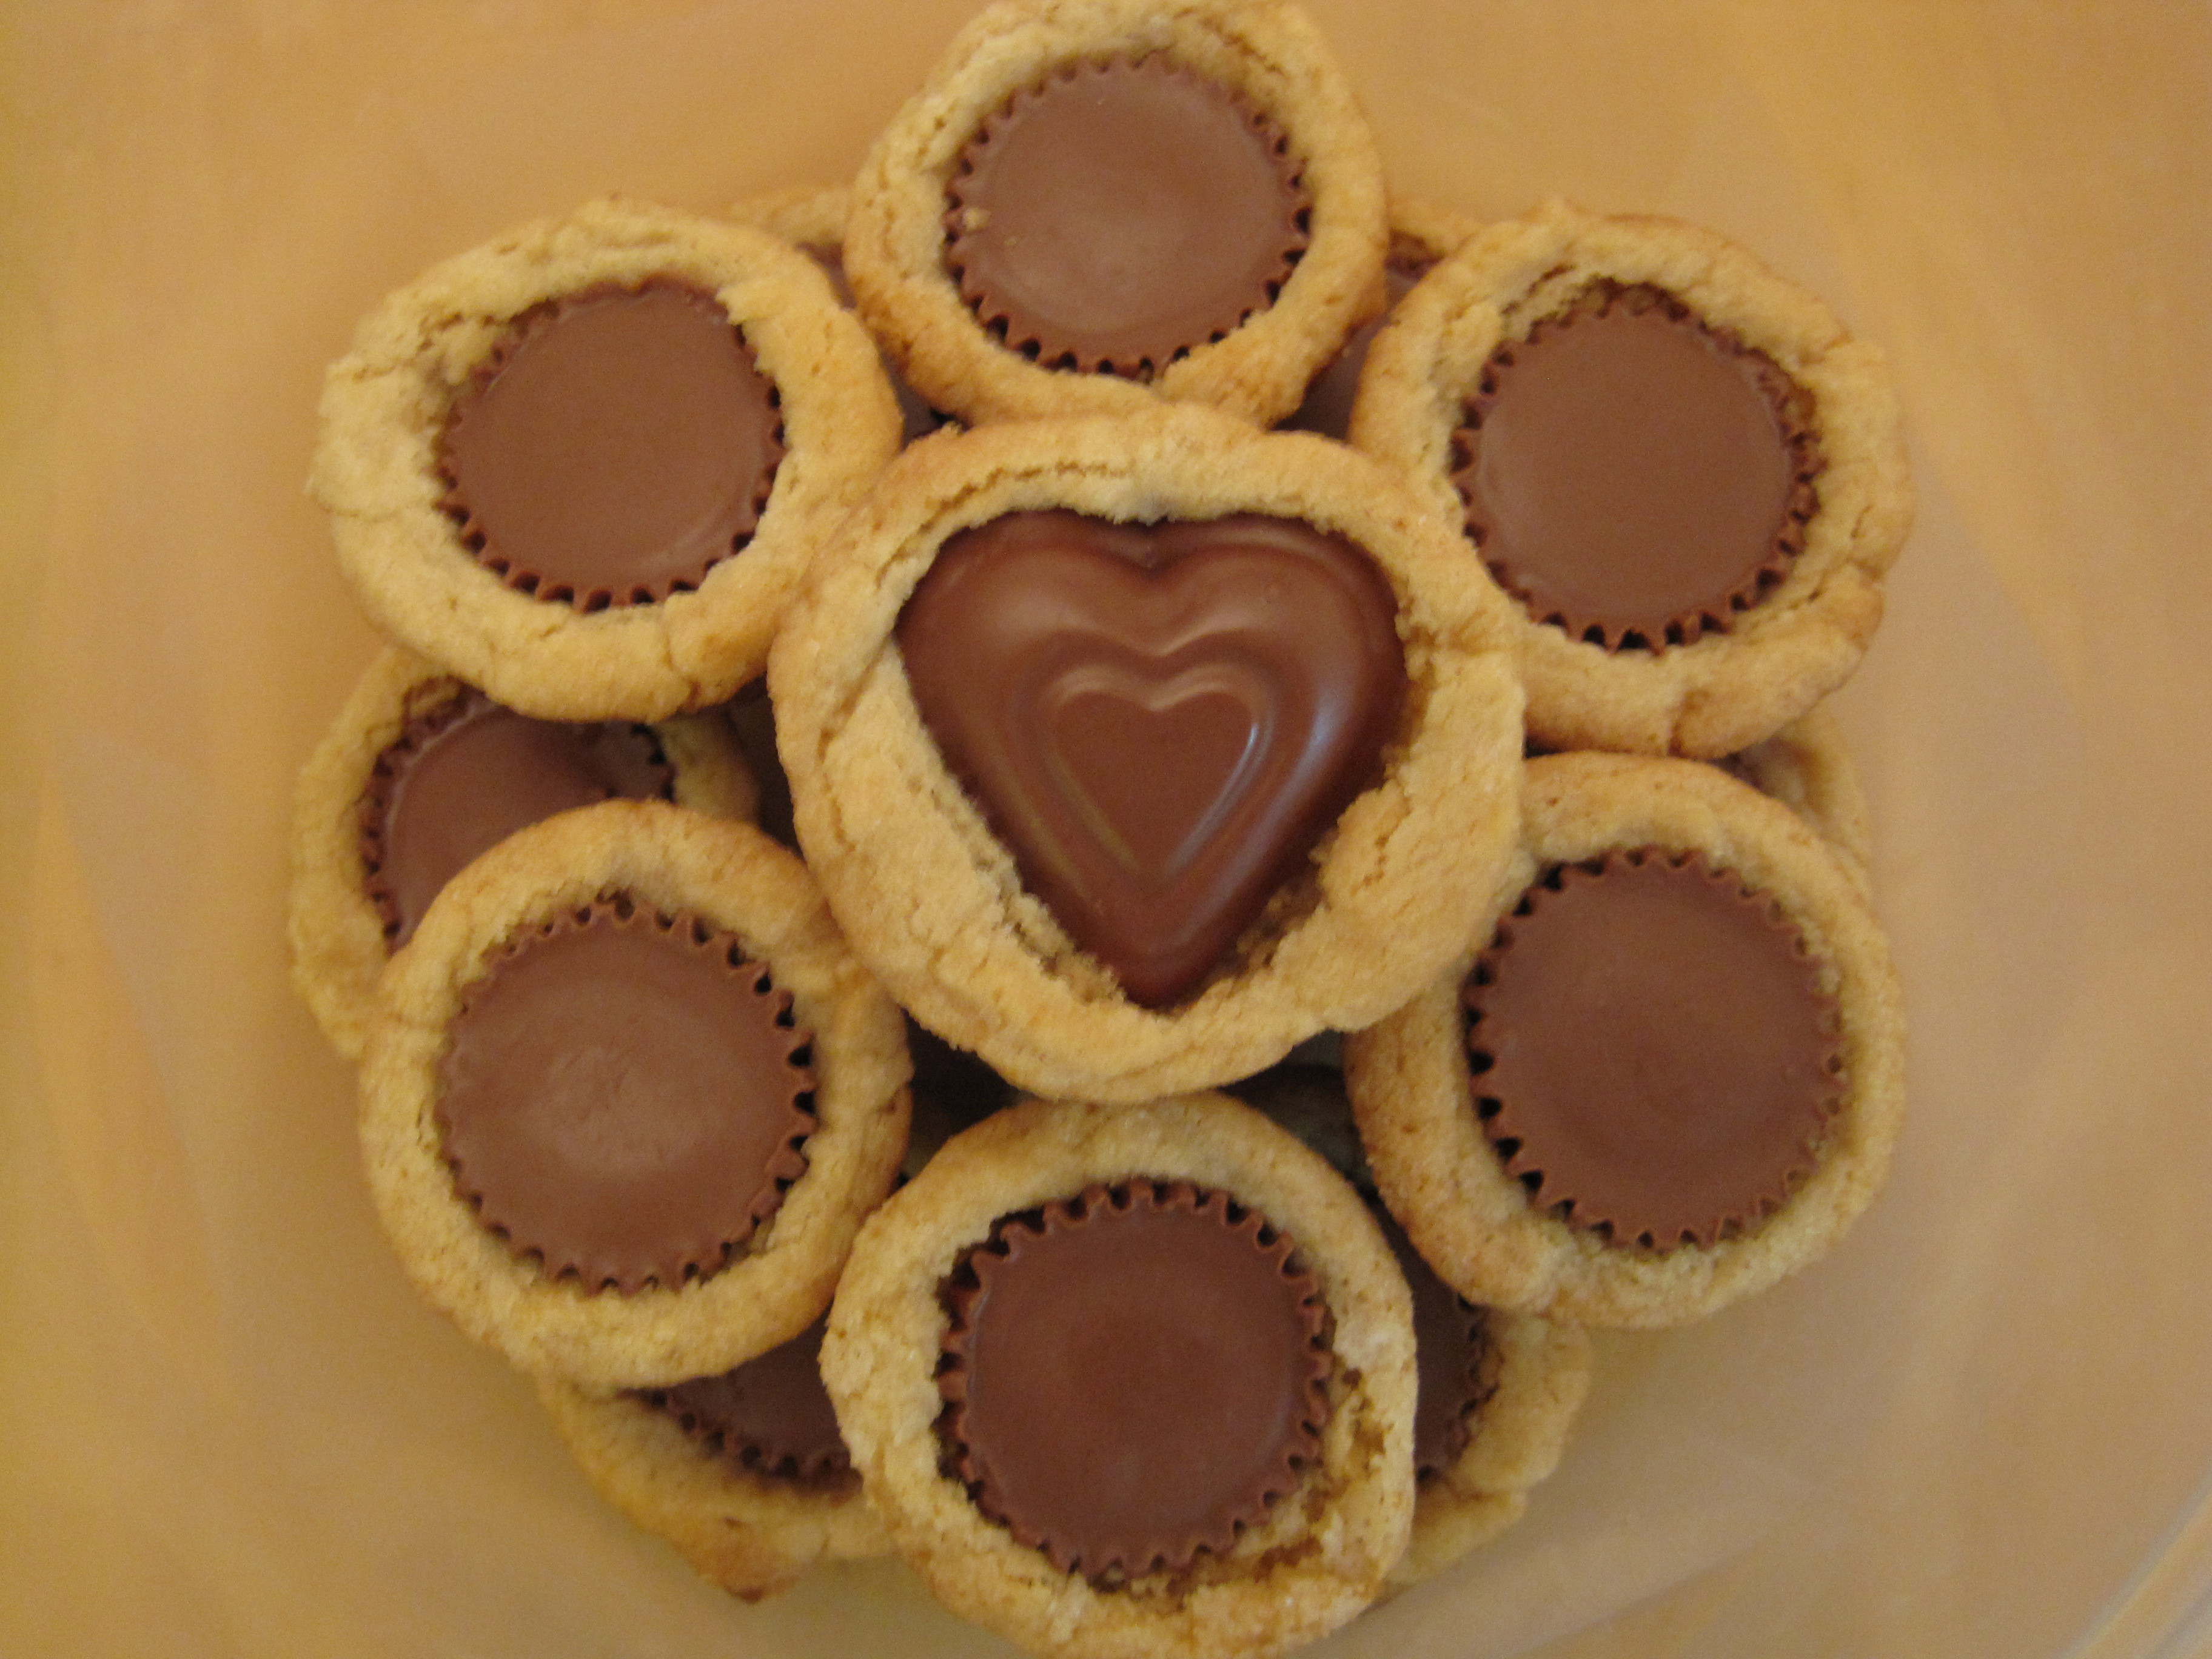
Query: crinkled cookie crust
[(752, 1534), (736, 879), (1265, 50), (1472, 1220), (1324, 1549), (1728, 691), (933, 902), (336, 933), (376, 469)]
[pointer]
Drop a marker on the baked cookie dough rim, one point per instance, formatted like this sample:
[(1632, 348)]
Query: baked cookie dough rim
[(1267, 51), (376, 466), (1519, 1433), (736, 879), (337, 934), (1410, 1085), (1729, 689), (877, 826), (752, 1534), (1326, 1546)]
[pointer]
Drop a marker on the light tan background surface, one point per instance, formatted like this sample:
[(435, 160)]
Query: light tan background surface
[(227, 1426)]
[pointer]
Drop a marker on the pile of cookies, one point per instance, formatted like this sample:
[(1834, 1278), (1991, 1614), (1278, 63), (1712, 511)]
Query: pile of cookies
[(1062, 860)]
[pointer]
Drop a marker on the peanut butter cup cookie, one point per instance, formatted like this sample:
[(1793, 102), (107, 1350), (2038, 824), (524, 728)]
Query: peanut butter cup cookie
[(1687, 474), (584, 466), (626, 1097), (1130, 1380), (744, 1473), (420, 774), (1131, 753), (1668, 1073), (1095, 203)]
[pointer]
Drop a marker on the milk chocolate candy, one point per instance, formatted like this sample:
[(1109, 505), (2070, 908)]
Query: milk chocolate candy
[(1087, 209), (1688, 475)]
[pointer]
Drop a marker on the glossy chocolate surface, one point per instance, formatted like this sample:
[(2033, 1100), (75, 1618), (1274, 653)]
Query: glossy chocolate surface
[(770, 1415), (625, 1099), (1120, 214), (618, 444), (1159, 721), (461, 780), (1633, 476), (1133, 1376), (1652, 1050)]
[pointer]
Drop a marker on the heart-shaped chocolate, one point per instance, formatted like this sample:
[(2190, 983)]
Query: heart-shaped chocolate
[(1160, 720)]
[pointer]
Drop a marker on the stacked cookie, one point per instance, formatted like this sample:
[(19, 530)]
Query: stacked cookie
[(1064, 857)]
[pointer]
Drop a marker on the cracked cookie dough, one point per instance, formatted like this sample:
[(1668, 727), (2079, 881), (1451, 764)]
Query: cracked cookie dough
[(1742, 1112), (584, 465), (627, 1096), (1095, 204), (1233, 760), (1680, 586)]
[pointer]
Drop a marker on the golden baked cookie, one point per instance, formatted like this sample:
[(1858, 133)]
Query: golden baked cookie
[(1689, 476), (1131, 753), (628, 1096), (1092, 204), (584, 465), (1422, 232), (1807, 767), (1738, 1114), (364, 866), (743, 1473), (1063, 1280)]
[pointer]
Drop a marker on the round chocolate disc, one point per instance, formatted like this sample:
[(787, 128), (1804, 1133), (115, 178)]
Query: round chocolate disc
[(618, 444), (1652, 1053), (459, 781), (1633, 476), (1451, 1350), (771, 1414), (626, 1096), (1134, 1376), (1120, 214)]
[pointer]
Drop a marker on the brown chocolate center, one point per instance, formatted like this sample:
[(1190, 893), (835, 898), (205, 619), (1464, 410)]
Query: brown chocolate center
[(624, 1096), (1633, 476), (1120, 214), (1159, 721), (1653, 1055), (770, 1415), (1134, 1376), (457, 782), (1451, 1355), (618, 444)]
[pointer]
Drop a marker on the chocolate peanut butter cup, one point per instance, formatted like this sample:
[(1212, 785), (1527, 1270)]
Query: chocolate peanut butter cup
[(1634, 477), (625, 1097), (1133, 1376), (1652, 1052), (1115, 215), (1672, 1074), (1683, 471), (467, 774), (614, 445), (1160, 720), (584, 464), (770, 1415)]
